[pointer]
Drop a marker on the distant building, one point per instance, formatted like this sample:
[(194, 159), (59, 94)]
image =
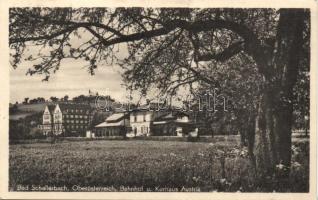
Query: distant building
[(66, 119), (116, 124), (141, 119), (47, 120), (175, 123)]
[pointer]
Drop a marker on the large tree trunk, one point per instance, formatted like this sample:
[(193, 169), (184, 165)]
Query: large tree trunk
[(274, 119), (250, 134), (263, 140)]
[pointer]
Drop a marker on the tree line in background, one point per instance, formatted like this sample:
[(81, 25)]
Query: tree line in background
[(77, 99)]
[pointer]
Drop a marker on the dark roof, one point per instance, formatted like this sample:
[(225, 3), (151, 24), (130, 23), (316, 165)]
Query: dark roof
[(51, 108), (73, 106), (65, 106), (150, 107), (117, 117), (173, 115)]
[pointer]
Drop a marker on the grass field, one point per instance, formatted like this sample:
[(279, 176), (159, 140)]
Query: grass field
[(136, 163)]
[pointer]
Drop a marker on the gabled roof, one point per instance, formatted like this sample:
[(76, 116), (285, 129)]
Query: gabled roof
[(152, 106), (65, 106), (173, 115), (116, 117), (169, 116), (51, 108), (108, 124)]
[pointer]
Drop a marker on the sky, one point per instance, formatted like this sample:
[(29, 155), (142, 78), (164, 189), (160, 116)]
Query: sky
[(71, 79)]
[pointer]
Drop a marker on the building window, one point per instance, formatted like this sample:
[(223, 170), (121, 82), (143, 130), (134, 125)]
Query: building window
[(144, 116), (135, 118)]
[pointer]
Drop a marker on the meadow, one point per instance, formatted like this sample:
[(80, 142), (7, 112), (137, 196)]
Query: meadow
[(210, 166)]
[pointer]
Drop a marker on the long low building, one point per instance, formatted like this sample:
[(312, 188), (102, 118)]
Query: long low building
[(173, 124), (143, 122)]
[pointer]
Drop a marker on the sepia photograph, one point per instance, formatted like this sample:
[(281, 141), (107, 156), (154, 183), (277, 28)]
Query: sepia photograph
[(159, 99)]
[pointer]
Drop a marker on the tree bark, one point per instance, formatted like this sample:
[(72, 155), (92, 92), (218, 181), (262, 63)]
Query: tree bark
[(263, 152), (250, 134), (274, 119)]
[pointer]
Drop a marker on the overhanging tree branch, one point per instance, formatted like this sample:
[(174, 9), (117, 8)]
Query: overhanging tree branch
[(232, 50), (69, 22), (13, 40)]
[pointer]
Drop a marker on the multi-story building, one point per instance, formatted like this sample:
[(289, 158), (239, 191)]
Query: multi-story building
[(142, 117), (67, 119), (47, 119), (140, 121)]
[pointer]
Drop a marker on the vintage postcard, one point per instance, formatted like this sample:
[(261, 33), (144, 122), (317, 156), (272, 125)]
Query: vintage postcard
[(158, 100)]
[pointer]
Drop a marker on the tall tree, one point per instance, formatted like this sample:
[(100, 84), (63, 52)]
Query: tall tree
[(169, 48), (65, 98), (54, 99), (26, 100)]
